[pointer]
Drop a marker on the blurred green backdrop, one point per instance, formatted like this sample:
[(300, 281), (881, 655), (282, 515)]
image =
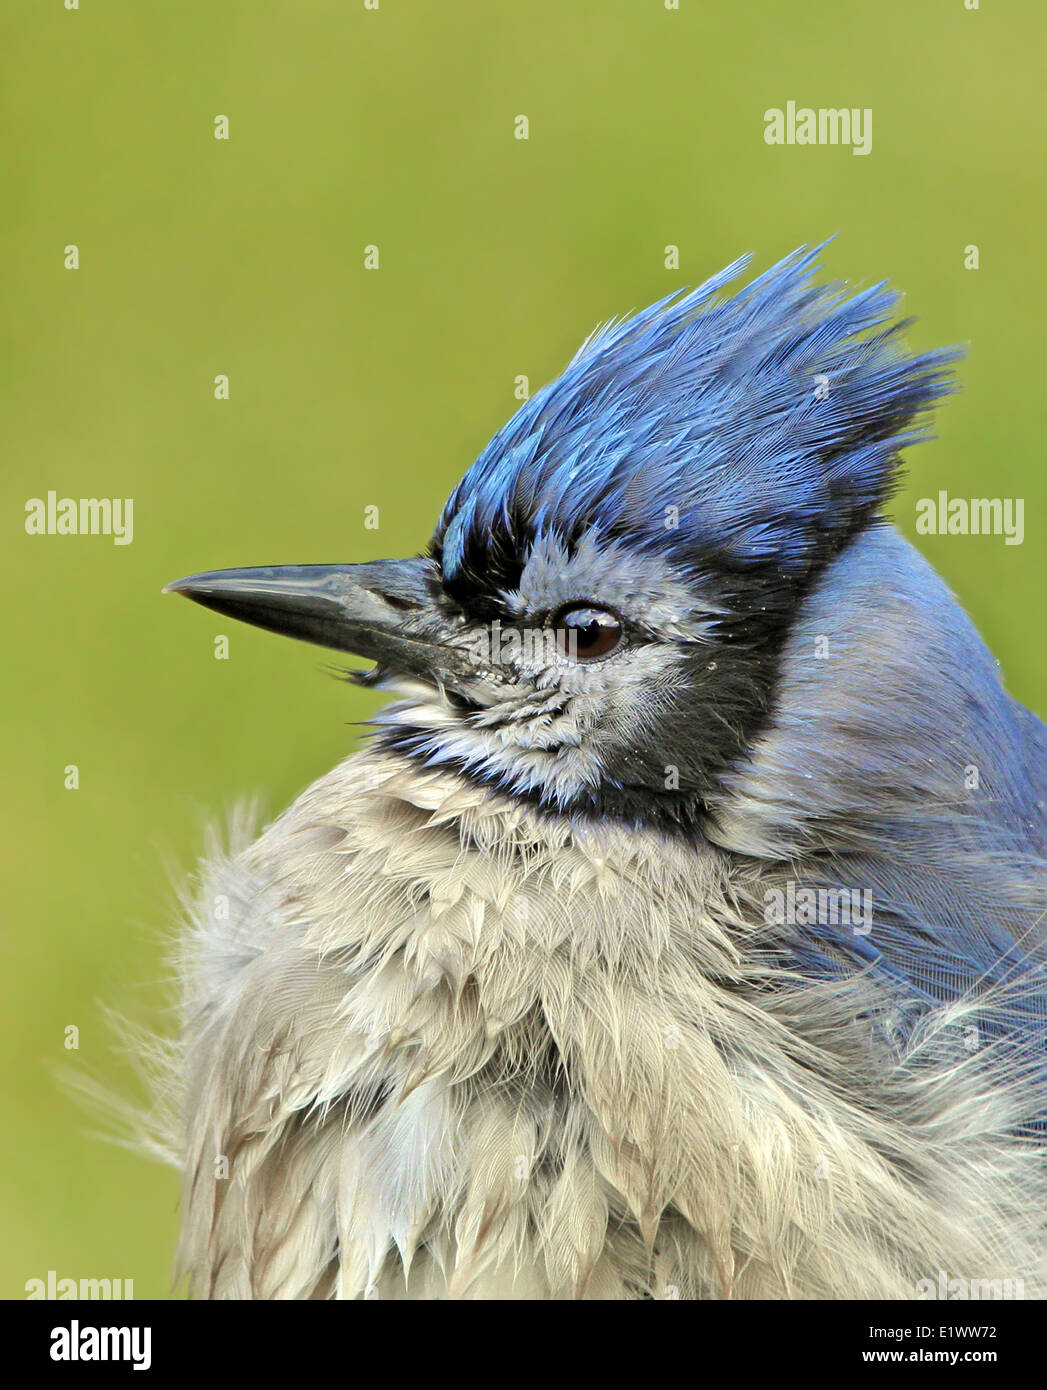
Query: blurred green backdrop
[(350, 388)]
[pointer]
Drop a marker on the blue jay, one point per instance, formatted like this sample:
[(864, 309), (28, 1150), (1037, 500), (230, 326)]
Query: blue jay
[(679, 931)]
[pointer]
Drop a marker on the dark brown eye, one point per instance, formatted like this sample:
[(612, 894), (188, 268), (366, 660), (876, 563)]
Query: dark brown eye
[(584, 633)]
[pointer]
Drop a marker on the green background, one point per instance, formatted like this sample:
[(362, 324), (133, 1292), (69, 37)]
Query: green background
[(353, 388)]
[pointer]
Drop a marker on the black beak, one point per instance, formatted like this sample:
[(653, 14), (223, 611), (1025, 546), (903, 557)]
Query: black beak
[(387, 611)]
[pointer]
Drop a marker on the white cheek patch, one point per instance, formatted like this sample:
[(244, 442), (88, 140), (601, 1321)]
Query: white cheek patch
[(558, 741), (639, 698), (544, 722)]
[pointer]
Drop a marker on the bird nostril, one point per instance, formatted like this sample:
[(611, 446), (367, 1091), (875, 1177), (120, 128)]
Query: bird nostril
[(402, 605)]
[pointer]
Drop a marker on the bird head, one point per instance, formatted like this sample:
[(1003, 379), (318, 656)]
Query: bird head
[(597, 622)]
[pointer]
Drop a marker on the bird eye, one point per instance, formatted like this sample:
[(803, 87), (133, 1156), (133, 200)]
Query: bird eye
[(584, 633)]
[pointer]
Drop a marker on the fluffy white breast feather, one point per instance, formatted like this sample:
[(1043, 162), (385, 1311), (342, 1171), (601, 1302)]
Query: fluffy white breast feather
[(435, 1045)]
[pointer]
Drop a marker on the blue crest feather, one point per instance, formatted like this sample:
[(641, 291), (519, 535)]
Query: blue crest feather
[(770, 422)]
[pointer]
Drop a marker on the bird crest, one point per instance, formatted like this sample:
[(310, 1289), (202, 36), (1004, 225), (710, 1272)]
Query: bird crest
[(760, 429)]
